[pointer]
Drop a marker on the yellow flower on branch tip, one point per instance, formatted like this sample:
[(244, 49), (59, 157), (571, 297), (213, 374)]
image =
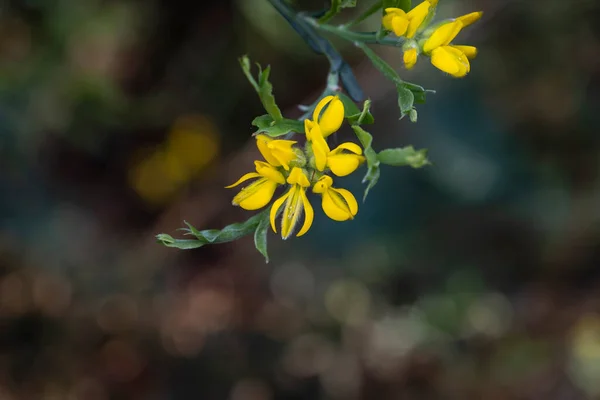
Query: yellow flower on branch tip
[(278, 153), (331, 119), (295, 203), (338, 204), (405, 24), (452, 59), (342, 161), (260, 192)]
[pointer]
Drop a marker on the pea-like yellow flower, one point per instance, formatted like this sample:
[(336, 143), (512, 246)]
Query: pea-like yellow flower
[(260, 192), (451, 59), (344, 159), (296, 204), (278, 153), (331, 119), (338, 204), (405, 23)]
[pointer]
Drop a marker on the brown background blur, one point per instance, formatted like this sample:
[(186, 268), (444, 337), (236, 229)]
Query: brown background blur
[(475, 278)]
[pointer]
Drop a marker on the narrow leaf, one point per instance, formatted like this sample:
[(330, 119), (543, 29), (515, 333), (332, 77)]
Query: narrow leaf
[(260, 236), (227, 234), (406, 99), (267, 126), (404, 156), (266, 95), (353, 113), (385, 68), (263, 87), (372, 175), (184, 244)]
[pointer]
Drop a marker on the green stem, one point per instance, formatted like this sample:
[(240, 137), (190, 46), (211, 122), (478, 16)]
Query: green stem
[(362, 37), (320, 45), (370, 11)]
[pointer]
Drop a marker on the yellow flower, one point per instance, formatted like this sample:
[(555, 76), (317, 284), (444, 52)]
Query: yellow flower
[(338, 204), (278, 153), (452, 59), (410, 58), (331, 119), (342, 161), (260, 192), (296, 203), (405, 24)]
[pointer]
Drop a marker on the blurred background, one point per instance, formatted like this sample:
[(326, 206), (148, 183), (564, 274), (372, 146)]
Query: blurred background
[(475, 278)]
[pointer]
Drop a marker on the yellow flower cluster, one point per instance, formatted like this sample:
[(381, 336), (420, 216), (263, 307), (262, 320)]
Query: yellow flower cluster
[(435, 43), (286, 164)]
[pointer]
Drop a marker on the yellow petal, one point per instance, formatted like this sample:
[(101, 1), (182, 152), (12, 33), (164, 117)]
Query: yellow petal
[(332, 118), (255, 196), (410, 58), (324, 101), (386, 21), (269, 171), (469, 51), (352, 147), (416, 16), (298, 177), (399, 25), (275, 209), (344, 164), (339, 204), (244, 178), (323, 184), (309, 213), (319, 147), (395, 20), (451, 61), (442, 36), (262, 142), (308, 126), (395, 11), (470, 18), (292, 210), (281, 150), (350, 200)]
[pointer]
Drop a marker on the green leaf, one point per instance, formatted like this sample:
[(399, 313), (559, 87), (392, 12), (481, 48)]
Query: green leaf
[(184, 244), (260, 236), (266, 125), (406, 99), (385, 68), (263, 121), (263, 87), (404, 156), (335, 8), (372, 175), (212, 236), (352, 112)]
